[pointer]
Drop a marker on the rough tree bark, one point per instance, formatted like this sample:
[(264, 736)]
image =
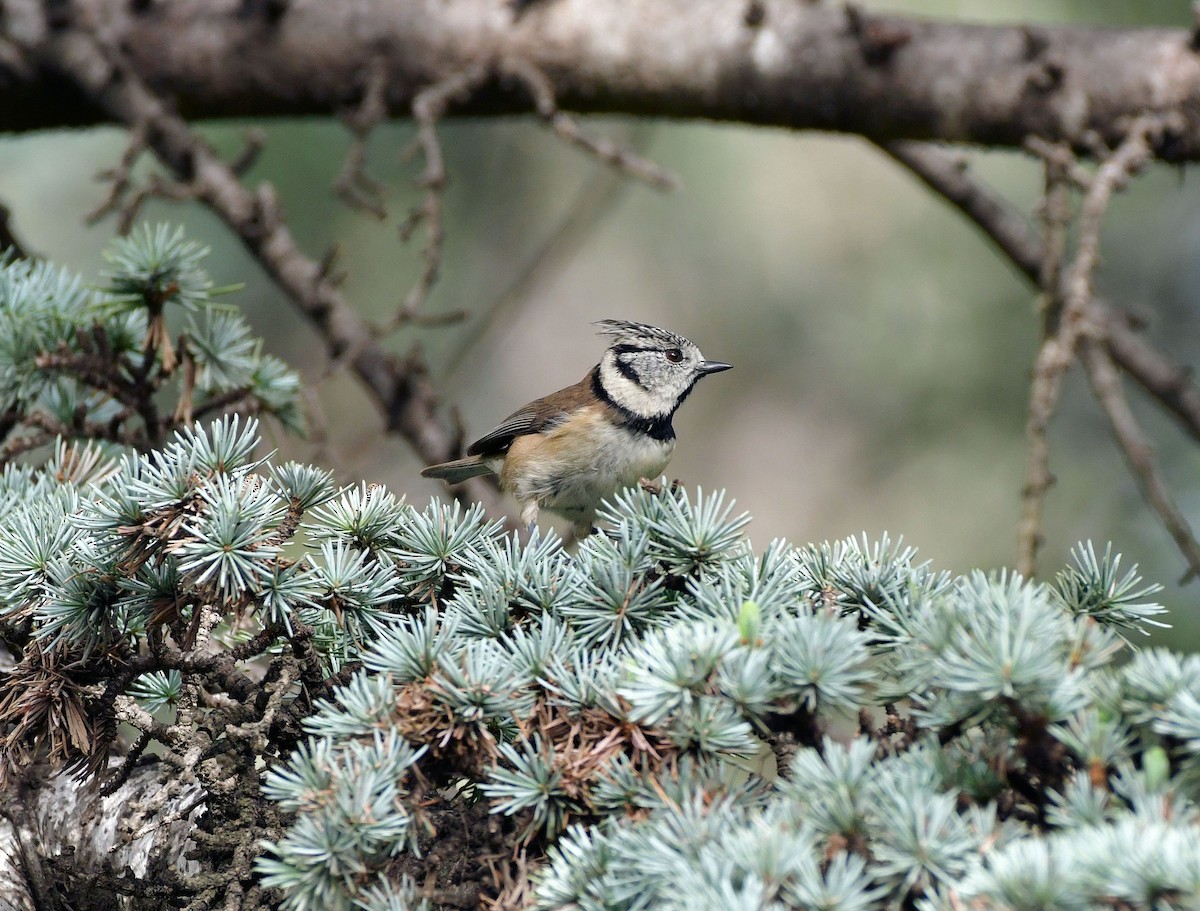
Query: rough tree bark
[(774, 62)]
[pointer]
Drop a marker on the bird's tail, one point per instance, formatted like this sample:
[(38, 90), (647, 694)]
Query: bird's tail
[(458, 471)]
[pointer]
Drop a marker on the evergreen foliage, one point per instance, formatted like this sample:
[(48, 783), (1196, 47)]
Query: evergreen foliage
[(89, 363), (682, 723), (658, 717)]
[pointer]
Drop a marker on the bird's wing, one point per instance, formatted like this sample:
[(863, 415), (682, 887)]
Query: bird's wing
[(538, 416)]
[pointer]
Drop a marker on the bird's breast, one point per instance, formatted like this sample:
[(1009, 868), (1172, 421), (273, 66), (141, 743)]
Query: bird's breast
[(585, 458)]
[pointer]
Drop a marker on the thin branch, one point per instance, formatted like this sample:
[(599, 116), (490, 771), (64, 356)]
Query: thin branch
[(1168, 383), (1049, 367), (947, 175), (567, 128), (353, 185), (121, 775), (626, 161), (20, 445), (103, 374), (1063, 160), (96, 366), (254, 141), (120, 176), (157, 186), (1134, 153), (1066, 307), (1106, 384), (399, 387), (428, 108), (239, 400), (1055, 212)]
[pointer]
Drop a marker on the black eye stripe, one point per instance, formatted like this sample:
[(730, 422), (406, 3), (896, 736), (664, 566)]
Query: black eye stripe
[(627, 370), (672, 354)]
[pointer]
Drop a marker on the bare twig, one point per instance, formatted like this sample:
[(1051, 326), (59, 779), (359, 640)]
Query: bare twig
[(428, 108), (255, 140), (353, 185), (120, 775), (120, 176), (613, 154), (96, 367), (1106, 384), (1049, 366), (240, 400), (1111, 176), (1066, 307), (399, 387), (1167, 383), (1060, 158), (20, 445), (948, 176), (1055, 211)]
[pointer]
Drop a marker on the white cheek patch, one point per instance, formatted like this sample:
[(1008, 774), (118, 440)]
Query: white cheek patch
[(632, 397)]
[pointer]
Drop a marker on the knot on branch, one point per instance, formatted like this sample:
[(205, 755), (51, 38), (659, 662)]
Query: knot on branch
[(755, 14), (1048, 76), (877, 39)]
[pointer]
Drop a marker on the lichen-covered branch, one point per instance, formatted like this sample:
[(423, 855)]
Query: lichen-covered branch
[(771, 62)]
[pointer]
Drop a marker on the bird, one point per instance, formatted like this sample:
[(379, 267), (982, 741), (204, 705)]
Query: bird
[(568, 451)]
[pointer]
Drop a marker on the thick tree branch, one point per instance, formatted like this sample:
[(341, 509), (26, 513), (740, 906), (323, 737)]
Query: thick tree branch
[(798, 65), (59, 822)]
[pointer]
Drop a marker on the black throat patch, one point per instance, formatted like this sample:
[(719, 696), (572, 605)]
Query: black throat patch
[(657, 428)]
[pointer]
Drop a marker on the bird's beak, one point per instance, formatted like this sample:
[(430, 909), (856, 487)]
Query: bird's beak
[(707, 367)]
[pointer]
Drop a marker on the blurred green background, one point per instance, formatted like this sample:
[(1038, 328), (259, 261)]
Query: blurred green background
[(882, 348)]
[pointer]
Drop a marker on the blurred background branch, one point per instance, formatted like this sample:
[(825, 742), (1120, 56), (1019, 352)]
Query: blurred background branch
[(1107, 341), (8, 240)]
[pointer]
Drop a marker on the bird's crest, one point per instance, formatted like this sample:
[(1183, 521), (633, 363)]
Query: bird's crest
[(620, 330)]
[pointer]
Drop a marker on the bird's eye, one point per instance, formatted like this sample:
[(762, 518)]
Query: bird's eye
[(674, 355)]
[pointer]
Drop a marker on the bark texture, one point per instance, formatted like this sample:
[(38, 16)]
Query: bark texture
[(63, 838), (774, 62)]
